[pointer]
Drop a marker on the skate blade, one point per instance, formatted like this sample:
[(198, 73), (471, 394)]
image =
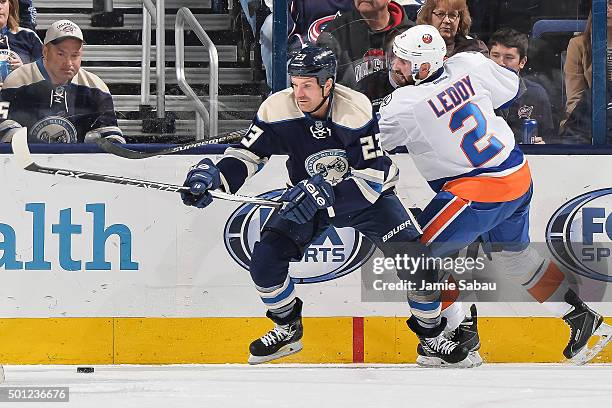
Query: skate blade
[(475, 358), (472, 360), (587, 353), (282, 352)]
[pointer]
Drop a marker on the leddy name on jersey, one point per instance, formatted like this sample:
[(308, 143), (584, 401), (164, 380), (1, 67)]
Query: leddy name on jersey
[(452, 96)]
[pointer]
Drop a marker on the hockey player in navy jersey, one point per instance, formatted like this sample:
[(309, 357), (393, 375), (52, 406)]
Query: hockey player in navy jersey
[(338, 176), (481, 179)]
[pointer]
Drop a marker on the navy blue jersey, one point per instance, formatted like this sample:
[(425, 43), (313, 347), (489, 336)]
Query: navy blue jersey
[(533, 104), (27, 14), (24, 44), (58, 113), (309, 18), (344, 148)]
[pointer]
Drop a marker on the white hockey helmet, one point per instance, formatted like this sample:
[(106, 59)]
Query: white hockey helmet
[(418, 45)]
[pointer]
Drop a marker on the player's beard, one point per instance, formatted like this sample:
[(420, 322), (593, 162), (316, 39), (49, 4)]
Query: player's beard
[(399, 78)]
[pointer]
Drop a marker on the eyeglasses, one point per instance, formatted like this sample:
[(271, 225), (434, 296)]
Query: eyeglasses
[(452, 15)]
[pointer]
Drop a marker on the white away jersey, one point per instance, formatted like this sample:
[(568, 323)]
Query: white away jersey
[(449, 126)]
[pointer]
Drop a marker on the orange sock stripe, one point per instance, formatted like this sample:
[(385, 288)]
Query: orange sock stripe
[(449, 296), (548, 283)]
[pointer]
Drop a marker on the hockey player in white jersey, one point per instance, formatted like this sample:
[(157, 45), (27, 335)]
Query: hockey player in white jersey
[(482, 181)]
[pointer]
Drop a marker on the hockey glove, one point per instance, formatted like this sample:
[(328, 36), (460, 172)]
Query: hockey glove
[(306, 198), (201, 178)]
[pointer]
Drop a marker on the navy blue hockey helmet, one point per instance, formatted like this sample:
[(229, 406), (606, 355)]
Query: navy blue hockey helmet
[(316, 62)]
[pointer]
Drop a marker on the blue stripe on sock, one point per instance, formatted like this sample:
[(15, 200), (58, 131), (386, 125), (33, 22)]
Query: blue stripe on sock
[(424, 306), (281, 296)]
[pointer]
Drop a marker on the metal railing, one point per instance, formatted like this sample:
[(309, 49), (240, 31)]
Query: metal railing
[(185, 17), (149, 10)]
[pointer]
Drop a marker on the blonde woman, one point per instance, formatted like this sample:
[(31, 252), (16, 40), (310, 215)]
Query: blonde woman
[(453, 21)]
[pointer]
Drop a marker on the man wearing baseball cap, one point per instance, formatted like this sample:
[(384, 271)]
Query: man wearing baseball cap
[(56, 99)]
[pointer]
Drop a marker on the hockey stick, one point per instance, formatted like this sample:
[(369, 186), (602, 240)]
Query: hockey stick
[(22, 153), (119, 150)]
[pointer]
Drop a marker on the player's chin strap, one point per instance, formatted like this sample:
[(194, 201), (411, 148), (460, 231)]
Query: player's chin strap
[(325, 98)]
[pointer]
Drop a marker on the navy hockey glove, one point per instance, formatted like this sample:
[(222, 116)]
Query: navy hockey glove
[(201, 178), (306, 198)]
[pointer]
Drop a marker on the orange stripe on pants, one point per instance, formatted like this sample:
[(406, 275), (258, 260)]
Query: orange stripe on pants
[(438, 223)]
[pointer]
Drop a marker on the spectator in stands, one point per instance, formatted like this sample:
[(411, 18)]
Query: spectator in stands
[(18, 45), (508, 48), (309, 19), (576, 125), (56, 99), (453, 21), (305, 22), (250, 7), (577, 68), (358, 38)]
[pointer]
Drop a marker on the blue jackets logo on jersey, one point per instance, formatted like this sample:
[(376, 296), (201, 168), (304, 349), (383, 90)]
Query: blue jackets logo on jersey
[(332, 164), (54, 129), (579, 235), (337, 252), (8, 53)]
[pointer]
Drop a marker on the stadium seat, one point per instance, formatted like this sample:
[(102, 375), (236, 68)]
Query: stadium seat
[(556, 26)]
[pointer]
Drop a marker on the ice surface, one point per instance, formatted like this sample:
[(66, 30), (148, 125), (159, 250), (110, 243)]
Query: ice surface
[(319, 386)]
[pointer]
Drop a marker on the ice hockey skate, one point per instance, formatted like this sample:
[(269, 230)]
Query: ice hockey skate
[(283, 340), (584, 324), (465, 335), (437, 348)]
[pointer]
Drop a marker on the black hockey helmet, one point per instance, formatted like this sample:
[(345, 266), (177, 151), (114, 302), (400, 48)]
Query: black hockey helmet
[(316, 62)]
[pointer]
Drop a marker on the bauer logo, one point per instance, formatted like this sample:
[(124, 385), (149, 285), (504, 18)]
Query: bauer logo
[(53, 241), (579, 235), (337, 252)]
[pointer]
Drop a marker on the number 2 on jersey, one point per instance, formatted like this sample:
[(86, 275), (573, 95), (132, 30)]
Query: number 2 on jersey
[(478, 146)]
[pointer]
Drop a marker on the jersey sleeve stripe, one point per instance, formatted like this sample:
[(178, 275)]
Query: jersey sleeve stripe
[(366, 190), (252, 162), (371, 175)]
